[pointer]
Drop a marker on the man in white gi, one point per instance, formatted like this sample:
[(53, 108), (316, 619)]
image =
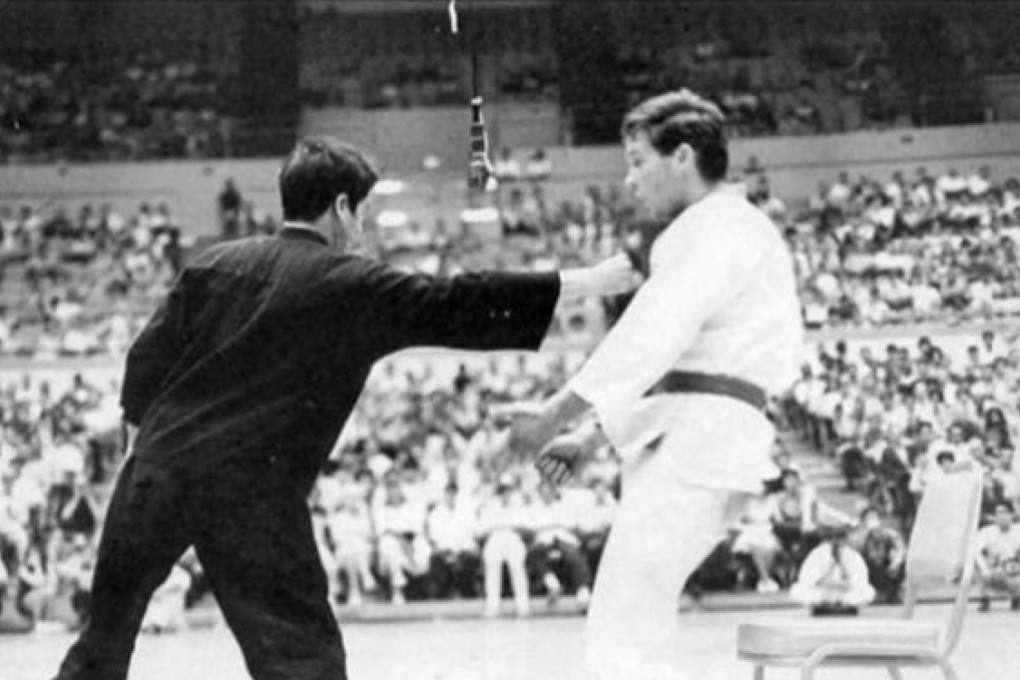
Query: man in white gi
[(714, 330)]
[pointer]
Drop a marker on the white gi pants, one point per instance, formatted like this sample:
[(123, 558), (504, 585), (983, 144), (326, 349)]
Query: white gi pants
[(664, 529)]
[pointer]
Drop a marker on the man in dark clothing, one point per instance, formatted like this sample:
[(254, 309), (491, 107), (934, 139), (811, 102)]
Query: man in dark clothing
[(235, 393), (229, 202)]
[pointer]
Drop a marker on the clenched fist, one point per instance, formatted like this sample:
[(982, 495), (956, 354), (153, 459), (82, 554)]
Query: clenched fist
[(561, 460)]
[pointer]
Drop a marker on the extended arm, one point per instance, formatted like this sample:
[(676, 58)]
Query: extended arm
[(480, 311)]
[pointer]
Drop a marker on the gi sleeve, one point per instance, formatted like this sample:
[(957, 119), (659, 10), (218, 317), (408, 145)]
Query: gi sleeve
[(483, 311), (152, 355), (693, 276)]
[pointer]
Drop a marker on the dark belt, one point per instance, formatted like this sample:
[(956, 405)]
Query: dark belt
[(676, 382)]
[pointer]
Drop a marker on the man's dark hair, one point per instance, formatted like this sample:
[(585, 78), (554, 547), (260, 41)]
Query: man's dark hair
[(317, 171), (683, 117)]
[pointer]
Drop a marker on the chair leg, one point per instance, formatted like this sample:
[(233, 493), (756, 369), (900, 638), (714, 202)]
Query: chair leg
[(894, 672), (759, 672)]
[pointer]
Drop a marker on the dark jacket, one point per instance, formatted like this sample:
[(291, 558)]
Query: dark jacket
[(263, 345)]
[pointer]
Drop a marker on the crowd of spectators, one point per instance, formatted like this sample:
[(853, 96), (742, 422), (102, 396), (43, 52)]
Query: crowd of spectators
[(59, 449), (868, 252), (420, 499), (132, 107), (410, 60), (423, 499), (785, 71), (789, 70), (75, 284), (894, 417), (906, 250)]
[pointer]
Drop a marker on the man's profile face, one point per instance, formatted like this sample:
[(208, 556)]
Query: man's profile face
[(654, 179)]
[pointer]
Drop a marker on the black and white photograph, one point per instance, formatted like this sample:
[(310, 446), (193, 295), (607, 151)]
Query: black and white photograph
[(509, 339)]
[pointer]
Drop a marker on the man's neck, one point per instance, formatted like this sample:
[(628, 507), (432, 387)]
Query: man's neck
[(697, 193), (702, 190), (312, 227)]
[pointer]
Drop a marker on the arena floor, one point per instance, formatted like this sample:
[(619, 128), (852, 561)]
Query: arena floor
[(505, 649)]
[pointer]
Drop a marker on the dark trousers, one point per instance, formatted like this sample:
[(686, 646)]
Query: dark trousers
[(888, 583), (454, 574), (561, 559), (593, 546), (252, 531)]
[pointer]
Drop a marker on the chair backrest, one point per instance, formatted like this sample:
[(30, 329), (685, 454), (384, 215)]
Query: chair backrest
[(939, 553)]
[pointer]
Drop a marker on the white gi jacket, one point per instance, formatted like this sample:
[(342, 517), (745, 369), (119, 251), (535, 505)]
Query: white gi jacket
[(721, 299)]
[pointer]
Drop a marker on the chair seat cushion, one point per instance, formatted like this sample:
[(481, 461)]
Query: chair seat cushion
[(792, 638)]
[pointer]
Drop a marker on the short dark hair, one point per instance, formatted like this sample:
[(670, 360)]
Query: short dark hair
[(683, 117), (317, 171)]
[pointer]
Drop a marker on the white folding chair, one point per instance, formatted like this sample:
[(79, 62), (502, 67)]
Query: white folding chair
[(939, 554)]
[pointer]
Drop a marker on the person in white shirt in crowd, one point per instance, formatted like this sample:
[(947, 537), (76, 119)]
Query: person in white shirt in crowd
[(456, 560), (990, 348), (756, 539), (874, 310), (956, 443), (834, 577), (794, 513), (821, 406), (943, 462), (400, 528), (896, 190), (951, 185), (982, 296), (818, 199), (166, 608), (14, 539), (506, 168), (716, 327), (925, 298), (501, 526), (980, 182), (896, 291), (555, 547), (997, 558), (924, 409), (351, 532), (538, 167), (839, 191)]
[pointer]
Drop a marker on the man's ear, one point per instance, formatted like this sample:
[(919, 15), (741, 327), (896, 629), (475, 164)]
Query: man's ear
[(683, 155), (342, 205)]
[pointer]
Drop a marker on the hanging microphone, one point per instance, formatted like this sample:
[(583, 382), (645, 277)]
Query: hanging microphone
[(479, 168)]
